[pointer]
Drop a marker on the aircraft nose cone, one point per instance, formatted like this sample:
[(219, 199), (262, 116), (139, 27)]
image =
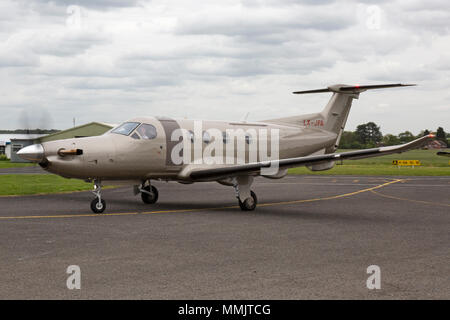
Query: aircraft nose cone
[(34, 153)]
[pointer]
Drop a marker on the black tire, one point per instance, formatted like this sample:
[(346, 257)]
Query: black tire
[(249, 204), (149, 198), (97, 207)]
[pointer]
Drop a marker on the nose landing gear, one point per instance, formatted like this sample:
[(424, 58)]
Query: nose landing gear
[(98, 205)]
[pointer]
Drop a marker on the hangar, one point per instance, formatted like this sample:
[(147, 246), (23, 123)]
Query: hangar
[(85, 130), (10, 142)]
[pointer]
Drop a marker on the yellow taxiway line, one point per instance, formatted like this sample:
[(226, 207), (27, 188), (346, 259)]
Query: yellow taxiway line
[(331, 197), (410, 200), (203, 209)]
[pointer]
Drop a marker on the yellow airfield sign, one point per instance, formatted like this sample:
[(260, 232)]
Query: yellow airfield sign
[(406, 163)]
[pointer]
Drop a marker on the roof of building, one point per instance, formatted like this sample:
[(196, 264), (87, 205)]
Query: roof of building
[(104, 124), (436, 144), (6, 138)]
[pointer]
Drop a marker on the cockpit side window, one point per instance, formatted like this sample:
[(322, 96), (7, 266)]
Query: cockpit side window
[(125, 128), (146, 131)]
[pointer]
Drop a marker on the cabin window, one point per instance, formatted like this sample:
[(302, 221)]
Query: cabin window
[(147, 131), (126, 128), (191, 135), (225, 137), (248, 138), (206, 137)]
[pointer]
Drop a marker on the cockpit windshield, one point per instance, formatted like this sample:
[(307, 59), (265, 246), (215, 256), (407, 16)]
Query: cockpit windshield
[(125, 128)]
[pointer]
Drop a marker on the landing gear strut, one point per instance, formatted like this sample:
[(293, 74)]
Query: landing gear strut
[(98, 205), (246, 198), (149, 194)]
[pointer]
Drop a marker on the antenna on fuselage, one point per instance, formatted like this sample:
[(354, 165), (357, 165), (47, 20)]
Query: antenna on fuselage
[(244, 119)]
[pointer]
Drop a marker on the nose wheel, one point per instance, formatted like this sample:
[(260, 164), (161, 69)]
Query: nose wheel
[(98, 205)]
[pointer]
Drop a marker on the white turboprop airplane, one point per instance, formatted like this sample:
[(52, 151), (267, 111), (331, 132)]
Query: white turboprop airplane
[(142, 149)]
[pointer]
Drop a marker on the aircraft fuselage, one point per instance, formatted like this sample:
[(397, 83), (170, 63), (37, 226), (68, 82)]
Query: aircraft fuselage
[(115, 156)]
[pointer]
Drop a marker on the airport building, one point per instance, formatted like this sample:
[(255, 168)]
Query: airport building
[(14, 142)]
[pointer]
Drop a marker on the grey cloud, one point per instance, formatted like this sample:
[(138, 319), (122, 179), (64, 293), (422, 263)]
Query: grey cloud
[(122, 84), (93, 4), (253, 3), (265, 21), (419, 5), (211, 59), (402, 74), (428, 20), (18, 59), (65, 43), (418, 16), (234, 62)]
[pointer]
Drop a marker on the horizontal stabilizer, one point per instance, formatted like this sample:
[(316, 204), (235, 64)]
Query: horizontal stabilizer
[(342, 88), (312, 91)]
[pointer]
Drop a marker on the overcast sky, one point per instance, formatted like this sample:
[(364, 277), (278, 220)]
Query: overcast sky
[(110, 60)]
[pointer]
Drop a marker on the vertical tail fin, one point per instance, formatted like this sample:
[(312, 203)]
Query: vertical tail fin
[(334, 116)]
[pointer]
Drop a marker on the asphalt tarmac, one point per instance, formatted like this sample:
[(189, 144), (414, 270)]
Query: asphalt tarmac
[(311, 237), (23, 170)]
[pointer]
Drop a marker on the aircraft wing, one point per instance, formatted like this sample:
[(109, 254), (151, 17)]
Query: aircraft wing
[(251, 168)]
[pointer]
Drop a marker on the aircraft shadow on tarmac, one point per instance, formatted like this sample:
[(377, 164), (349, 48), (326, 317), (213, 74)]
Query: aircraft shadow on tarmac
[(320, 211)]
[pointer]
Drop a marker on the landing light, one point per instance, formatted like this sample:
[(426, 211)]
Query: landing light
[(72, 152)]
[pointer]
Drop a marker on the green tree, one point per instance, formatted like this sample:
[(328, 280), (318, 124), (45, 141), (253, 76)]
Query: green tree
[(406, 136), (390, 140), (368, 134), (348, 138), (441, 135), (423, 133)]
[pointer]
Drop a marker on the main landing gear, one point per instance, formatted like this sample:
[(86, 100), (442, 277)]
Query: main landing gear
[(98, 205), (246, 198), (149, 194)]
